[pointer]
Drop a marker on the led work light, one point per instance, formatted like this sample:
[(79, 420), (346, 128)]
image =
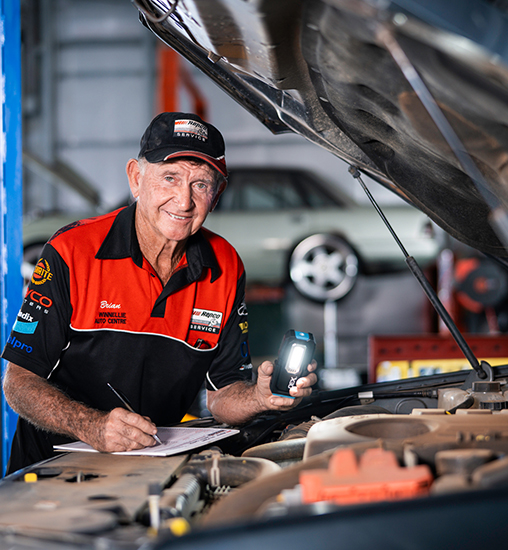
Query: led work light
[(295, 353)]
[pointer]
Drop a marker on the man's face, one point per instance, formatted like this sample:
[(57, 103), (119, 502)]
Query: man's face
[(174, 197)]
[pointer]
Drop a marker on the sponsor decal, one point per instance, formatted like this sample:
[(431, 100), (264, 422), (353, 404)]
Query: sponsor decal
[(15, 343), (246, 367), (242, 310), (25, 328), (292, 382), (191, 128), (37, 300), (205, 320), (42, 272), (244, 327), (25, 316)]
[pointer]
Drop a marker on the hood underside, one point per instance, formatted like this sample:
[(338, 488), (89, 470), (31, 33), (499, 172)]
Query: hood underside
[(413, 93)]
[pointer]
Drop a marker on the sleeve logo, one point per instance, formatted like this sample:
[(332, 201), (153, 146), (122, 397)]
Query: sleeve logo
[(15, 343), (42, 272), (24, 328), (25, 323)]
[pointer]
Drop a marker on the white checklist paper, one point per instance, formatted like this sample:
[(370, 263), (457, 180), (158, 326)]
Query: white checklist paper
[(174, 440)]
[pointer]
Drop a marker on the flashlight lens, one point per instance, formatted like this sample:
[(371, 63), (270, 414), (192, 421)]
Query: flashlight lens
[(295, 359)]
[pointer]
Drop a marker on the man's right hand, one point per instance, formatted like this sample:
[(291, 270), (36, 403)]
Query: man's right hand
[(44, 405), (121, 430)]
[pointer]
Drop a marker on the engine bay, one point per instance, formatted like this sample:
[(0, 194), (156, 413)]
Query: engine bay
[(434, 442)]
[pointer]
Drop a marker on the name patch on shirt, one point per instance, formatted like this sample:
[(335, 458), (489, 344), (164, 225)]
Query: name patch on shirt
[(205, 320)]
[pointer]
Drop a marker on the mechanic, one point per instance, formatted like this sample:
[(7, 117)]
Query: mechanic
[(144, 299)]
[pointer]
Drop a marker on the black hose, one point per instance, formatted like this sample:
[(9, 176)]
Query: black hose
[(278, 451), (292, 448)]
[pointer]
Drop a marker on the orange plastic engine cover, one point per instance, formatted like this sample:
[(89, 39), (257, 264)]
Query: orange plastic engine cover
[(376, 476)]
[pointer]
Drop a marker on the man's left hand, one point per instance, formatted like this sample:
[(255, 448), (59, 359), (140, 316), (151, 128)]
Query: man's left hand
[(273, 402)]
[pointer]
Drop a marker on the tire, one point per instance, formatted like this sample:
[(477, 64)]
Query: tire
[(323, 268)]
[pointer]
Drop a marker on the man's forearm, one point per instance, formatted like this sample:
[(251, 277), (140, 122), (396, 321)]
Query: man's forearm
[(239, 402), (45, 406), (235, 404)]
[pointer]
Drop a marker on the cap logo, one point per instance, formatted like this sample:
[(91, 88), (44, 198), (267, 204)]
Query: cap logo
[(191, 128)]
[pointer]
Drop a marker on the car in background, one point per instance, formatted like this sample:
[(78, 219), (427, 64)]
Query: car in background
[(287, 224)]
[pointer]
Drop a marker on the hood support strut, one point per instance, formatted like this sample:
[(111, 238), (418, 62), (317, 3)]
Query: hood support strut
[(482, 370), (499, 216)]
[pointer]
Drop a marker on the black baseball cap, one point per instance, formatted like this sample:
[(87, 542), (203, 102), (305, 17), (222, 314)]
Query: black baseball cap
[(172, 135)]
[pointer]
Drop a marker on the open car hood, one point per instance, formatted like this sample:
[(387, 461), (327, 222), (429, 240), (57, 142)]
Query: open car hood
[(412, 92)]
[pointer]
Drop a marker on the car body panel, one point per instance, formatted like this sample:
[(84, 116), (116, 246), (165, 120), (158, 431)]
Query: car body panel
[(264, 240)]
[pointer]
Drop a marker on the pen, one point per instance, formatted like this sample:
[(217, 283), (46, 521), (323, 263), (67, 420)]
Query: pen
[(128, 406)]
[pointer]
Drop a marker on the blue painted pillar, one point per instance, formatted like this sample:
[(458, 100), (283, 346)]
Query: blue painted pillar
[(11, 194)]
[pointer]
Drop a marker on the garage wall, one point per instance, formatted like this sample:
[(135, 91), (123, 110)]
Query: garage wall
[(89, 87), (89, 92)]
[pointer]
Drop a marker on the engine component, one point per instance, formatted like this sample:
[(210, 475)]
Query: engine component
[(484, 394), (375, 476), (461, 461), (429, 430)]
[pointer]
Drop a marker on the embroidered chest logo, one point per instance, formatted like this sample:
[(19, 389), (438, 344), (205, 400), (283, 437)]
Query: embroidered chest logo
[(110, 314), (206, 320), (42, 272)]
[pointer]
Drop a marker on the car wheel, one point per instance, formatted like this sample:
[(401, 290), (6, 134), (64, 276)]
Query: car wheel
[(323, 267)]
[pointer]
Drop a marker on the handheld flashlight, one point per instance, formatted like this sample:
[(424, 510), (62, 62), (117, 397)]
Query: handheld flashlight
[(295, 353)]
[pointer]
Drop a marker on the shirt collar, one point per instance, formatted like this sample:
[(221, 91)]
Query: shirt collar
[(122, 242)]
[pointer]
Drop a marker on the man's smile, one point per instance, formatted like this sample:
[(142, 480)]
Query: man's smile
[(176, 217)]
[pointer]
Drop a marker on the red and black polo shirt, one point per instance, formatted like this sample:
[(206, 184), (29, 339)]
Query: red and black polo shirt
[(96, 312)]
